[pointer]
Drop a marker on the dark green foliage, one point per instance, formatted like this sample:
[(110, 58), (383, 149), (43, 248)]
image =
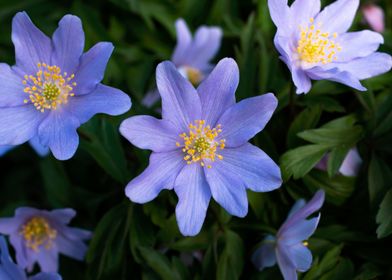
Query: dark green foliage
[(134, 241)]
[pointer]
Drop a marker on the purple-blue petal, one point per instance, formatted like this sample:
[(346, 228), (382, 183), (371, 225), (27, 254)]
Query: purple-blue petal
[(265, 256), (246, 118), (337, 75), (297, 206), (68, 44), (9, 225), (48, 260), (180, 101), (194, 196), (160, 174), (5, 149), (38, 148), (254, 167), (8, 269), (298, 232), (184, 39), (19, 124), (147, 132), (301, 256), (46, 276), (58, 132), (92, 67), (227, 188), (75, 249), (63, 216), (358, 44), (286, 263), (303, 10), (103, 99), (11, 90), (338, 16), (351, 163), (311, 207), (301, 80), (31, 45), (217, 91)]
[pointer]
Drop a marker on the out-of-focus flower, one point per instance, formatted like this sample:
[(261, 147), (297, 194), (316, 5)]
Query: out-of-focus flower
[(350, 165), (288, 248), (34, 143), (374, 16), (39, 236), (10, 271), (200, 147), (316, 45), (54, 87), (192, 56)]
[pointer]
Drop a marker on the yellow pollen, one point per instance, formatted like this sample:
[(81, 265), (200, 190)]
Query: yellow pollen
[(194, 75), (315, 46), (305, 243), (48, 88), (200, 144), (37, 232)]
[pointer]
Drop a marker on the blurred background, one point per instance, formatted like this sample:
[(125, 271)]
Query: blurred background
[(142, 241)]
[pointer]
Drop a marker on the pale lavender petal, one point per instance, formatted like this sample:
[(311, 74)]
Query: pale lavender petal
[(184, 39), (11, 90), (338, 16), (194, 196), (63, 216), (323, 163), (103, 99), (337, 75), (72, 248), (366, 67), (217, 91), (312, 206), (245, 119), (299, 231), (358, 44), (8, 269), (180, 101), (301, 80), (5, 149), (38, 148), (280, 15), (92, 67), (77, 233), (31, 45), (265, 256), (48, 260), (46, 276), (303, 10), (9, 225), (58, 132), (160, 174), (147, 132), (23, 259), (227, 188), (254, 167), (204, 46), (286, 264), (301, 256), (151, 98), (19, 124), (68, 43), (351, 163)]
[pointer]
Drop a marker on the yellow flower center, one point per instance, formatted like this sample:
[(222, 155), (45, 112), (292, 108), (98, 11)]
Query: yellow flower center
[(315, 46), (37, 232), (49, 87), (194, 75), (200, 143)]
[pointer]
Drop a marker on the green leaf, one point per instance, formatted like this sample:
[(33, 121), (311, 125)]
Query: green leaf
[(336, 158), (379, 179), (159, 263), (384, 216), (299, 161), (231, 261), (338, 189), (342, 271)]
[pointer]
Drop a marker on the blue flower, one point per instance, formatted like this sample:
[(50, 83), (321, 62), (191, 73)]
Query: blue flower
[(39, 236), (288, 248), (34, 143), (350, 165), (316, 45), (54, 87), (10, 271), (192, 56), (200, 147)]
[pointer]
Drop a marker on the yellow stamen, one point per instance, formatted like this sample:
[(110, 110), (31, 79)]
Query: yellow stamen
[(200, 144), (37, 232), (315, 46), (194, 75), (48, 88)]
